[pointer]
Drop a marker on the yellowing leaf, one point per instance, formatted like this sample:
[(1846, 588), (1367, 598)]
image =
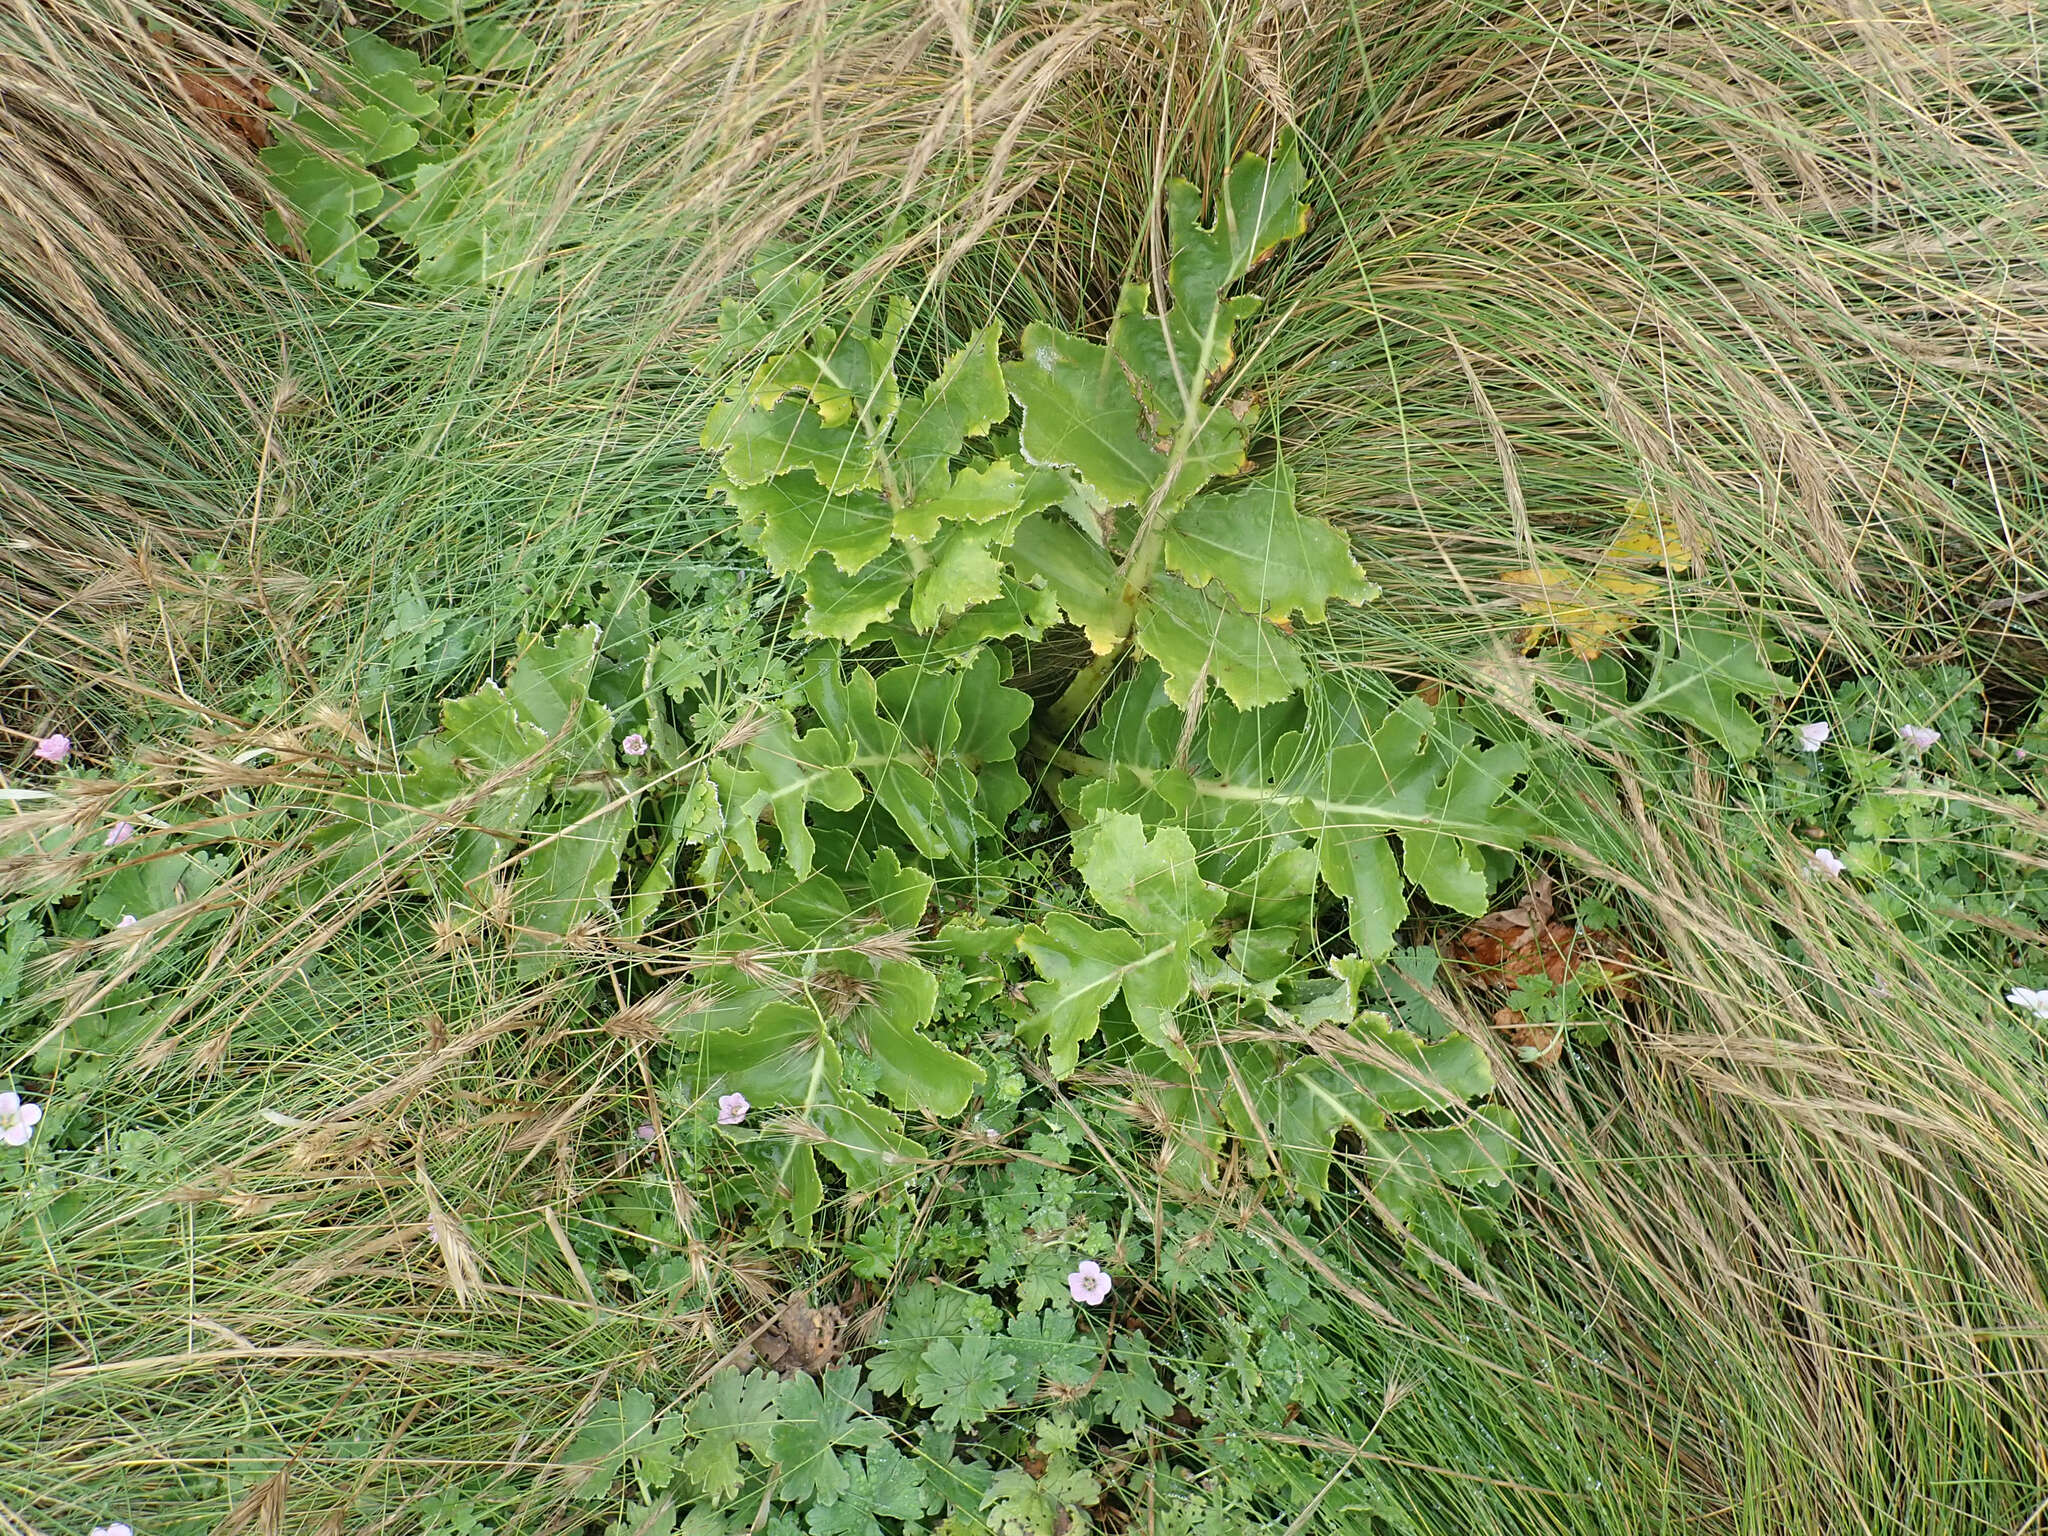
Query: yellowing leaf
[(1650, 535), (1589, 611), (1580, 611)]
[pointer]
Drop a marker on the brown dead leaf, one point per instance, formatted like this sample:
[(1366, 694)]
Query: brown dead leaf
[(1526, 940), (231, 104), (800, 1337)]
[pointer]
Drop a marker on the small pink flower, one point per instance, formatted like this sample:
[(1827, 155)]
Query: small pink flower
[(732, 1108), (646, 1130), (118, 1528), (634, 745), (54, 749), (1824, 863), (1918, 738), (1088, 1284), (17, 1120), (127, 920), (119, 833), (1813, 735)]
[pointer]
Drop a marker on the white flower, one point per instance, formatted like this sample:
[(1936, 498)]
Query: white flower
[(17, 1120), (1088, 1284), (54, 749), (2032, 1000), (1814, 734), (1918, 738), (1825, 863), (118, 1528), (119, 833), (127, 920), (634, 745), (732, 1108)]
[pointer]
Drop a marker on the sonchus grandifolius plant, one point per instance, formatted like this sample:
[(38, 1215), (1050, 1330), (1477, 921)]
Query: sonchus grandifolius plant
[(1122, 498), (1226, 799)]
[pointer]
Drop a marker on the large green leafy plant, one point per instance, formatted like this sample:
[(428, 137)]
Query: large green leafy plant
[(388, 145), (1121, 499), (1109, 484)]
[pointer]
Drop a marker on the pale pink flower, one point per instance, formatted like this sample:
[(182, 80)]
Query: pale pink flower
[(645, 1131), (127, 920), (118, 1528), (119, 833), (54, 749), (2032, 1000), (732, 1108), (17, 1120), (1824, 863), (1814, 734), (1918, 738), (1088, 1284), (634, 745)]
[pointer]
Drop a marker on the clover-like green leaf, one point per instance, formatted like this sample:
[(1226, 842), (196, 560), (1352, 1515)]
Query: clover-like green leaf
[(817, 1418), (611, 1433), (882, 1484), (963, 1380), (735, 1410), (921, 1315), (1131, 1395), (1049, 1354)]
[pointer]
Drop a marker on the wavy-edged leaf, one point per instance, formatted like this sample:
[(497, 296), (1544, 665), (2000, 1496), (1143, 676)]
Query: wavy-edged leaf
[(974, 494), (1176, 357), (1272, 559), (756, 445), (1078, 574), (960, 573), (966, 399), (1420, 1174), (842, 607), (783, 773), (1703, 675), (792, 519), (912, 1071), (1085, 968), (1152, 885), (565, 881), (1080, 415), (1390, 1073), (1204, 636)]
